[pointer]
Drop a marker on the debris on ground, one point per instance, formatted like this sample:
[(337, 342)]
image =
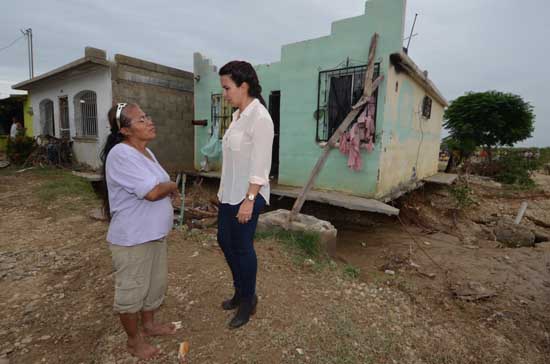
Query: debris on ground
[(472, 291)]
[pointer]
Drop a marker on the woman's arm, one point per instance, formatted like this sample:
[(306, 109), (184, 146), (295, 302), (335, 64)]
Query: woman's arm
[(262, 143), (161, 190), (259, 167)]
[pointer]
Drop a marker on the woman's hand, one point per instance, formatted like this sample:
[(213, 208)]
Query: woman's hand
[(245, 211), (161, 191)]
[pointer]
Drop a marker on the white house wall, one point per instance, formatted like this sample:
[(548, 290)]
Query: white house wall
[(86, 150)]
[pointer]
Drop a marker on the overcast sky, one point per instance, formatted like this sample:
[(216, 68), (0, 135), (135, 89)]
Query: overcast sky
[(468, 45)]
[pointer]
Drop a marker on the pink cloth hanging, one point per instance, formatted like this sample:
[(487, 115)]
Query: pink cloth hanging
[(343, 143), (361, 132), (354, 158)]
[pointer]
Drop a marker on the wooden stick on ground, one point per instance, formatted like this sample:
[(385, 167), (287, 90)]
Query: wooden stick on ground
[(367, 93)]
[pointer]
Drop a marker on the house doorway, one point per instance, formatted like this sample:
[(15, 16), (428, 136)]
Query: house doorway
[(64, 128), (274, 111)]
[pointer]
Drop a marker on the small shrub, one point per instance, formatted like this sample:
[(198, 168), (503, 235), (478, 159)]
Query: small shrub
[(351, 271), (544, 155), (18, 150), (514, 169), (462, 196)]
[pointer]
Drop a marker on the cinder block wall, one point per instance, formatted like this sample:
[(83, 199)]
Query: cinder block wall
[(166, 94)]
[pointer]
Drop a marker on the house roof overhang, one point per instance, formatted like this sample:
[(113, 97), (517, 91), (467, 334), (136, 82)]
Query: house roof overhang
[(81, 65), (403, 63)]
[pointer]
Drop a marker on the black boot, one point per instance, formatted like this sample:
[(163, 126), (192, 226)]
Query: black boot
[(247, 308), (232, 303)]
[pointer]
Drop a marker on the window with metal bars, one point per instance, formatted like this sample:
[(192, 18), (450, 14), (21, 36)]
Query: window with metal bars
[(85, 108), (221, 114), (47, 117), (427, 107), (338, 90)]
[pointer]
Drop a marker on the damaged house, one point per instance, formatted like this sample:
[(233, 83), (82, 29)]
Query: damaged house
[(312, 89)]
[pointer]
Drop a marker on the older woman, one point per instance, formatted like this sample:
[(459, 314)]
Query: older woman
[(244, 185), (138, 203)]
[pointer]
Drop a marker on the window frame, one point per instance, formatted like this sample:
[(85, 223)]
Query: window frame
[(220, 112), (322, 134), (86, 120)]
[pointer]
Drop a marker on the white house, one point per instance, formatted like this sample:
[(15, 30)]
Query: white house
[(65, 103), (72, 102)]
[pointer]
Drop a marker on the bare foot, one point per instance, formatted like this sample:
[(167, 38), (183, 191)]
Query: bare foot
[(160, 330), (141, 349)]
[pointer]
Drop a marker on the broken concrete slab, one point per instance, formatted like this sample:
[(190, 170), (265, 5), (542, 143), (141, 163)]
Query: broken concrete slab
[(472, 291), (442, 178), (543, 246), (92, 177), (513, 235), (334, 198), (339, 199), (276, 220)]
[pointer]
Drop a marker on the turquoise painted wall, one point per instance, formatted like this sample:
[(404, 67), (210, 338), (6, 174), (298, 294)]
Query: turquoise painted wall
[(208, 83), (296, 76)]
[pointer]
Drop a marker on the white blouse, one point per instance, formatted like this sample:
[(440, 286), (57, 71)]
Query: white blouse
[(246, 154)]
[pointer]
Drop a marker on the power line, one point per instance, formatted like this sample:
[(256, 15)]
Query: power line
[(12, 43)]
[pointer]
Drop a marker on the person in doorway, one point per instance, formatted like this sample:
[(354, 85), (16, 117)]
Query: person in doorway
[(15, 128), (244, 185), (137, 202)]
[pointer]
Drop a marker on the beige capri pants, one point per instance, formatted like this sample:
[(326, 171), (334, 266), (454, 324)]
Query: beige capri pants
[(141, 275)]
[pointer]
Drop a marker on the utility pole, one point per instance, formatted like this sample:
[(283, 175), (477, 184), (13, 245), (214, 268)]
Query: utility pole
[(28, 34)]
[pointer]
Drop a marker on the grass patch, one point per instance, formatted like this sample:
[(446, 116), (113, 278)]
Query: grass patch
[(62, 184), (380, 279), (351, 271), (305, 244)]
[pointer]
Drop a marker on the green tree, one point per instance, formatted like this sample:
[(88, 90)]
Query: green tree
[(488, 119)]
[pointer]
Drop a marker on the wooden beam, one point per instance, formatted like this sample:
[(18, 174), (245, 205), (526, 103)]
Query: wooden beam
[(367, 92)]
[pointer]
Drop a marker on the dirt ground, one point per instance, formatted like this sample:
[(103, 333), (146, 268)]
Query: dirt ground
[(438, 289)]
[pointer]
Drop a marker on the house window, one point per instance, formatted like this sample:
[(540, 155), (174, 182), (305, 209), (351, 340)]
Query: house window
[(85, 109), (222, 114), (426, 107), (64, 129), (338, 90), (46, 118)]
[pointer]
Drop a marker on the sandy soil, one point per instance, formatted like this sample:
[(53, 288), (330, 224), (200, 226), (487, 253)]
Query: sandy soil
[(56, 286)]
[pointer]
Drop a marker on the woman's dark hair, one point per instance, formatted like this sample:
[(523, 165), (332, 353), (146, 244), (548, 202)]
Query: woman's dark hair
[(241, 71), (113, 139)]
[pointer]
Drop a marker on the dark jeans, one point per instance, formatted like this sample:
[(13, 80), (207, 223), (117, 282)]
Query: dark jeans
[(237, 243)]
